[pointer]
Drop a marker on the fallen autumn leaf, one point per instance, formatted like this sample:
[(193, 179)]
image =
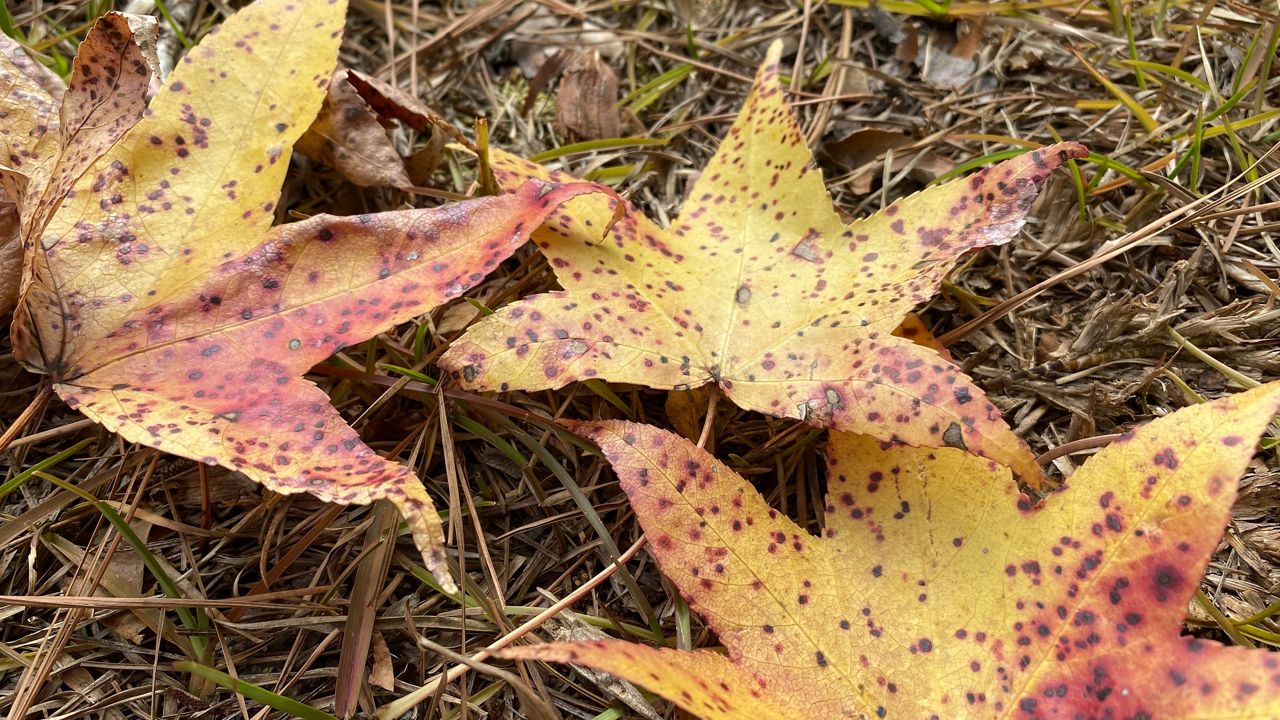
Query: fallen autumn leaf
[(760, 288), (38, 125), (938, 590), (163, 304)]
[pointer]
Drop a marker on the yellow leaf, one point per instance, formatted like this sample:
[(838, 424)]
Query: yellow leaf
[(164, 305), (28, 107), (938, 590), (30, 125), (761, 288), (913, 328), (687, 410), (46, 150)]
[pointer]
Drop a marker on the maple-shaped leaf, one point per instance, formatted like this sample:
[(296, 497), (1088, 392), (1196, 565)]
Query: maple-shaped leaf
[(164, 305), (938, 590), (761, 288)]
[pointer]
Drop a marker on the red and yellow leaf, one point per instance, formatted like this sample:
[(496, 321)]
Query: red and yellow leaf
[(761, 288), (163, 304), (937, 590)]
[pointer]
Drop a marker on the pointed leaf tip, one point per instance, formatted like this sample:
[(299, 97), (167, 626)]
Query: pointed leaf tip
[(703, 683), (761, 288), (933, 574)]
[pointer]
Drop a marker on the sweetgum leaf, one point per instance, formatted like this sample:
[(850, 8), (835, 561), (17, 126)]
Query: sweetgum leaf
[(14, 57), (108, 81), (761, 288), (28, 133), (938, 590), (105, 97), (28, 108), (164, 305)]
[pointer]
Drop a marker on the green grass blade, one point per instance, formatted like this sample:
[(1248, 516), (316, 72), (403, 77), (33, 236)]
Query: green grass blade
[(173, 25), (255, 693), (1159, 69), (410, 373), (7, 25), (492, 438), (976, 163), (1232, 101), (599, 387), (649, 93), (18, 480), (1139, 113), (197, 621), (590, 145), (1138, 75)]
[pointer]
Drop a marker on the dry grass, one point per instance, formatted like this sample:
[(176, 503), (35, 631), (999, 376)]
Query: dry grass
[(304, 599)]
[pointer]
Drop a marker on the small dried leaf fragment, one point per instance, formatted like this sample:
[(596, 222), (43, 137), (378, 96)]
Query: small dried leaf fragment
[(383, 673), (164, 305), (760, 287), (350, 133), (861, 149), (347, 136), (586, 103), (391, 103), (938, 589)]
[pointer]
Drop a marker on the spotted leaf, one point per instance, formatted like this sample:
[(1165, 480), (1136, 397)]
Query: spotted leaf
[(938, 590), (28, 109), (14, 57), (106, 95), (761, 288), (28, 134), (163, 304), (47, 149)]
